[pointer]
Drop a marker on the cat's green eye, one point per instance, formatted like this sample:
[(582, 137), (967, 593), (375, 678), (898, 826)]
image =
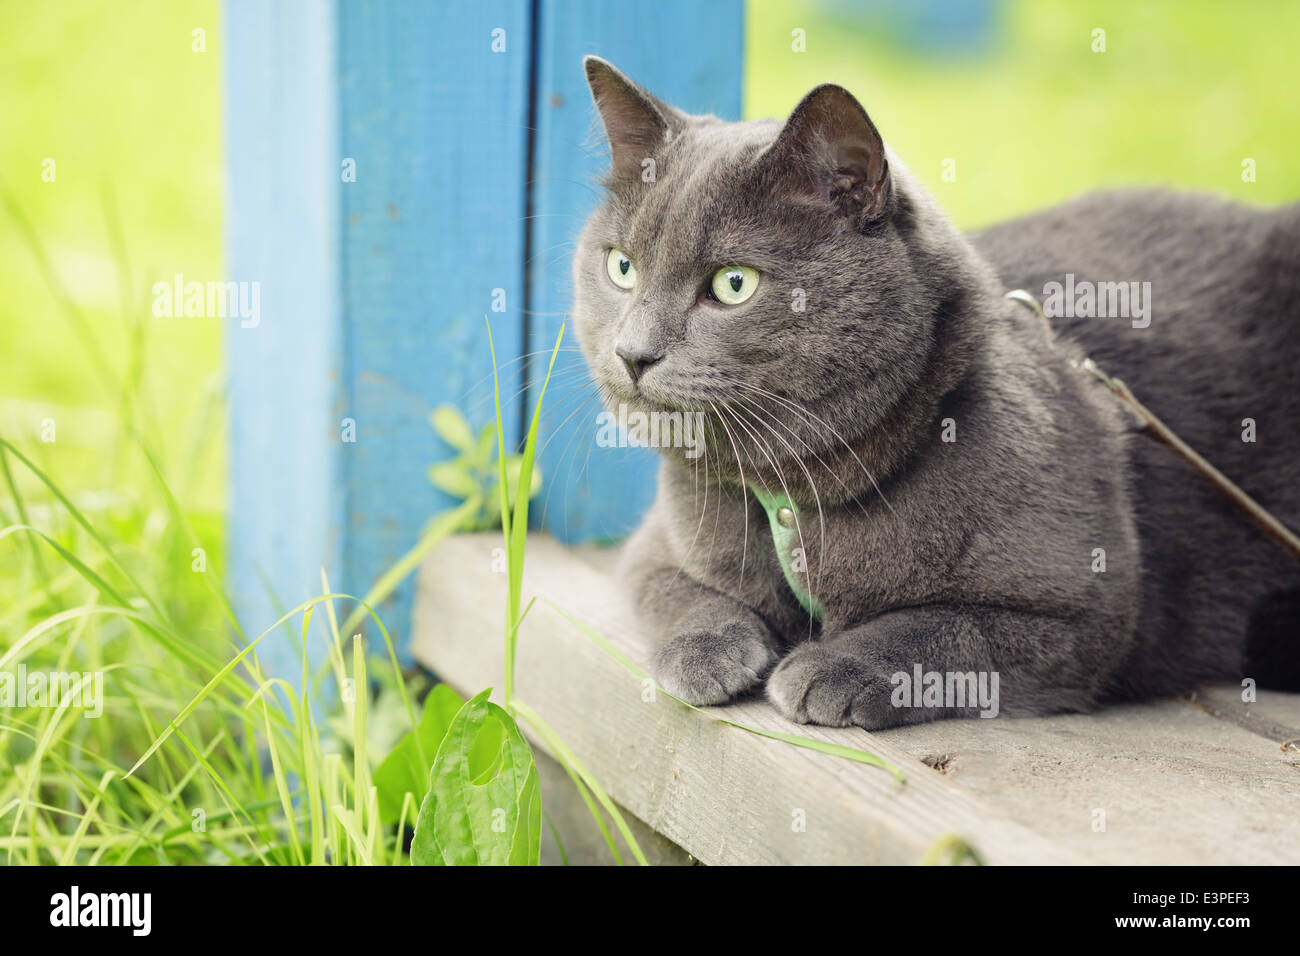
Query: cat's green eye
[(732, 285), (621, 271)]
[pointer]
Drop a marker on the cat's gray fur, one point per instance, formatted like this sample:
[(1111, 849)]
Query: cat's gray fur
[(971, 555)]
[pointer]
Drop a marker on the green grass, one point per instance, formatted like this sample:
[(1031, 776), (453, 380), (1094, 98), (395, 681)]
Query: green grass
[(197, 756), (174, 770)]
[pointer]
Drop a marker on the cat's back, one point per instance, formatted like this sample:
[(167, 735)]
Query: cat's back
[(1217, 337), (1217, 357), (1216, 269)]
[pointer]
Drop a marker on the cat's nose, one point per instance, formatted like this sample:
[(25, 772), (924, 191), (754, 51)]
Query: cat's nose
[(637, 360)]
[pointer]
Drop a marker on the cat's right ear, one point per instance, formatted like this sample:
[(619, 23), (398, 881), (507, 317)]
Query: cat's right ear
[(635, 122), (829, 150)]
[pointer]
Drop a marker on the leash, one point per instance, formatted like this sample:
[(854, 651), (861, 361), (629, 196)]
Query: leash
[(1150, 424)]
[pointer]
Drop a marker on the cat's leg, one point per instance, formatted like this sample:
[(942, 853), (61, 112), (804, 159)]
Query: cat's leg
[(989, 661), (716, 649), (711, 646)]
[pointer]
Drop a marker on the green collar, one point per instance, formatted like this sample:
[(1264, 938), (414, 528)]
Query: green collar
[(783, 516)]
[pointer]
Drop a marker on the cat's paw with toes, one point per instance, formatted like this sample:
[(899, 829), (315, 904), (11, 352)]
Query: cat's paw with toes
[(815, 684), (711, 665)]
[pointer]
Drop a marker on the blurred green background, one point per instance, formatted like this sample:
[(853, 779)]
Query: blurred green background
[(131, 116), (115, 94), (1185, 90)]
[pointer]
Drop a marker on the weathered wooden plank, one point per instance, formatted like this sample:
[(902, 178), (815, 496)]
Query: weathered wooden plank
[(1160, 783), (1272, 715), (569, 820), (378, 171), (688, 53), (722, 794)]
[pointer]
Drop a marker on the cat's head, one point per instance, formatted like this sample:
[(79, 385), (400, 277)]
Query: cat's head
[(783, 279)]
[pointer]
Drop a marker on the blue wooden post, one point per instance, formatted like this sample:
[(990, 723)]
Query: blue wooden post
[(373, 291), (285, 386), (379, 172), (687, 53)]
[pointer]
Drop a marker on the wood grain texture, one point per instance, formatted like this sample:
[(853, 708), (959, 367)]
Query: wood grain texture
[(437, 123), (1273, 715), (285, 374), (373, 290), (687, 53), (1171, 784), (721, 793), (1197, 780)]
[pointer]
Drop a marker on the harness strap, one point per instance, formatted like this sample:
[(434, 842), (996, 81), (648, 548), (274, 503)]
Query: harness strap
[(783, 518), (1151, 425)]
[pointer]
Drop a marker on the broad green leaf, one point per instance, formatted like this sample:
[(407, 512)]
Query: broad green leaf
[(454, 478), (402, 771), (482, 457), (482, 809), (526, 849), (450, 424), (951, 850)]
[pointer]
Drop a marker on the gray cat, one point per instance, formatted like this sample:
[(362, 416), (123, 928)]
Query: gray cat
[(913, 504)]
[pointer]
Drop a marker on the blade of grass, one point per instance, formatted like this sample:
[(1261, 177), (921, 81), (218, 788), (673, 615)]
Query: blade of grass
[(567, 756), (74, 844), (335, 642), (360, 770), (311, 772), (277, 769), (808, 743), (38, 559), (594, 810), (346, 821), (235, 662), (81, 519), (408, 802), (441, 526), (503, 487), (514, 526)]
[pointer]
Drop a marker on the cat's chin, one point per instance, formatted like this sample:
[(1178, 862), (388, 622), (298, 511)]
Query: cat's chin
[(641, 401)]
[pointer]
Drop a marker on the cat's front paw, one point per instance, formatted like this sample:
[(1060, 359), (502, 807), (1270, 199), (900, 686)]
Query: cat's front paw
[(711, 665), (822, 685)]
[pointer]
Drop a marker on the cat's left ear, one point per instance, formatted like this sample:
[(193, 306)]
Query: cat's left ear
[(636, 123), (830, 150)]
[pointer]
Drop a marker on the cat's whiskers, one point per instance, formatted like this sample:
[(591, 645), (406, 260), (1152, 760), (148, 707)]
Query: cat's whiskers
[(564, 375), (562, 246), (583, 400), (780, 474), (757, 411), (481, 384), (607, 398), (737, 414), (744, 492), (704, 510), (817, 420), (717, 509)]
